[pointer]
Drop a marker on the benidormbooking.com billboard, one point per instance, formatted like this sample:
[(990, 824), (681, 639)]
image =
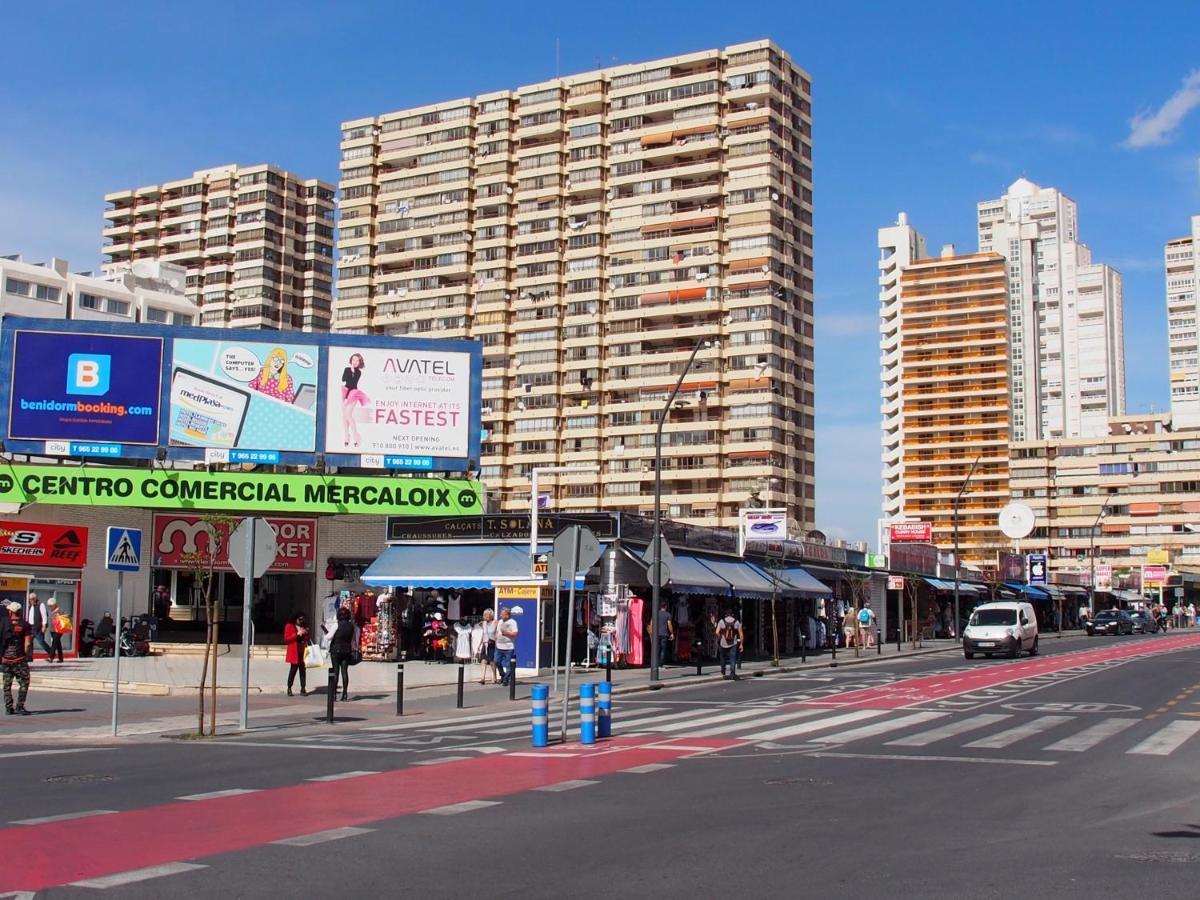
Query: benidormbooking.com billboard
[(117, 391)]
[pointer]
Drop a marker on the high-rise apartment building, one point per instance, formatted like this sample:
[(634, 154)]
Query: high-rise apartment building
[(1068, 361), (256, 241), (1182, 259), (592, 231), (945, 372)]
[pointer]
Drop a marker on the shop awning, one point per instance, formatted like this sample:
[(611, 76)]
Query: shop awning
[(964, 587), (1055, 592), (799, 582), (1033, 592), (451, 565), (746, 580), (691, 576)]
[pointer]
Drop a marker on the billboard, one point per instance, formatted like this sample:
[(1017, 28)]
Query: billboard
[(764, 525), (1104, 579), (1154, 576), (37, 544), (910, 533), (84, 387), (398, 402), (178, 536), (232, 394), (1037, 568)]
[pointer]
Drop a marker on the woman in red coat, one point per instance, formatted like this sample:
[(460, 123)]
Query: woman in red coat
[(295, 635)]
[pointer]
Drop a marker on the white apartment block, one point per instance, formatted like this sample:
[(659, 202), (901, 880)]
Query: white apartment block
[(153, 292), (591, 231), (256, 241), (1182, 260), (899, 246), (1068, 362)]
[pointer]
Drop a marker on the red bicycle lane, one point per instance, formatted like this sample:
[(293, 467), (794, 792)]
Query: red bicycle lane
[(923, 689), (38, 857)]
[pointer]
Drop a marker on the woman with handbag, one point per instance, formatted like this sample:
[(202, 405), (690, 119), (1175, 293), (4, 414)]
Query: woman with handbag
[(295, 635), (342, 647)]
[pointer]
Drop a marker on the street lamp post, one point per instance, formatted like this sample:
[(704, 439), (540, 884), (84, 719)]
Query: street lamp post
[(656, 539), (957, 500), (1092, 548)]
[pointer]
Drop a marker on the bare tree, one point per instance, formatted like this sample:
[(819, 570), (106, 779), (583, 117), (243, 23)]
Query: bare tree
[(912, 588), (202, 564), (773, 566), (860, 593)]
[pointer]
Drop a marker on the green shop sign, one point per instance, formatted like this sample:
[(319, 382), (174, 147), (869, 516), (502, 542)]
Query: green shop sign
[(170, 489)]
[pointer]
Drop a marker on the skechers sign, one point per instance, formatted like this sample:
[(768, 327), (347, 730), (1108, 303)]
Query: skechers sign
[(85, 387), (168, 489)]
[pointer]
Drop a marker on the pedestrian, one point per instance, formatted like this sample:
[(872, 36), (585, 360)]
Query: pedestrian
[(866, 623), (341, 649), (505, 654), (60, 624), (666, 633), (1191, 614), (486, 654), (731, 641), (38, 618), (295, 636), (16, 649)]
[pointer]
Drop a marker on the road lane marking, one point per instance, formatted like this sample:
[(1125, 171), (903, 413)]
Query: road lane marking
[(566, 785), (629, 724), (440, 760), (877, 728), (135, 875), (322, 837), (769, 720), (455, 808), (819, 725), (1166, 740), (647, 768), (438, 723), (216, 795), (953, 729), (917, 758), (342, 775), (1012, 735), (52, 752), (724, 717), (1090, 737), (64, 817)]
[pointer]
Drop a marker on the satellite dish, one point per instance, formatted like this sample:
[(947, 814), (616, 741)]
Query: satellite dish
[(1016, 520)]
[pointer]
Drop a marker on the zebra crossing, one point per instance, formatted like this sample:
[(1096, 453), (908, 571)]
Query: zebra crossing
[(822, 728)]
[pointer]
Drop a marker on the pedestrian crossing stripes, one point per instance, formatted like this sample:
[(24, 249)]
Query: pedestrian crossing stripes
[(816, 729)]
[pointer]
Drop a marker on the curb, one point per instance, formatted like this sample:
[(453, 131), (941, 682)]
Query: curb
[(134, 688)]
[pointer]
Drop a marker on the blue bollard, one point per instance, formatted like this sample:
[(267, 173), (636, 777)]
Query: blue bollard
[(604, 709), (541, 715), (587, 713)]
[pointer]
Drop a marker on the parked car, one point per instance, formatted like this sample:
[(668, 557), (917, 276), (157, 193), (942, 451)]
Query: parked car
[(1005, 627), (1111, 621), (1143, 622)]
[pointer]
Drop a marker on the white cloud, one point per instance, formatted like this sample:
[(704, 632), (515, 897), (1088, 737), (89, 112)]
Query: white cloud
[(1149, 129)]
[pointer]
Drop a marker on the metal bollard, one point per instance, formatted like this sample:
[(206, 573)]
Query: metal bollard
[(330, 692), (512, 677), (461, 671), (587, 713), (604, 710), (879, 642), (608, 671), (698, 652), (803, 648), (540, 706), (400, 688)]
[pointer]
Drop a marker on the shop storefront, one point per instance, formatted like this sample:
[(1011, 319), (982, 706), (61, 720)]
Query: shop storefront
[(48, 560)]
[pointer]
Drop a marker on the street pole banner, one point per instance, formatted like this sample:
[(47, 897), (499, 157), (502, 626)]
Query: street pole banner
[(201, 490)]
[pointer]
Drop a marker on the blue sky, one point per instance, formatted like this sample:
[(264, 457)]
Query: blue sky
[(928, 112)]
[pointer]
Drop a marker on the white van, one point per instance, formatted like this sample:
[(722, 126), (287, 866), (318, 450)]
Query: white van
[(1003, 627)]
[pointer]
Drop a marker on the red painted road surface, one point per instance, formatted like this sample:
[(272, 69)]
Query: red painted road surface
[(43, 856), (937, 687)]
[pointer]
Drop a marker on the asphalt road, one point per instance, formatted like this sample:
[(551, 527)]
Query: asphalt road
[(1066, 775)]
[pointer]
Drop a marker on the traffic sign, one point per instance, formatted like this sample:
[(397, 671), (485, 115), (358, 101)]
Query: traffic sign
[(264, 550), (123, 551), (589, 548), (659, 573)]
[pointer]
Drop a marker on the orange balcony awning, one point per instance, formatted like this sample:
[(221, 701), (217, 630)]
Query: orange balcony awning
[(1144, 509), (655, 297), (751, 285), (695, 129), (687, 386), (652, 140), (740, 265), (1113, 528), (750, 384), (751, 120), (1191, 506), (679, 223), (749, 454), (679, 296)]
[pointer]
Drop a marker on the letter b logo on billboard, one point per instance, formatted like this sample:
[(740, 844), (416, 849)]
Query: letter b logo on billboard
[(88, 373)]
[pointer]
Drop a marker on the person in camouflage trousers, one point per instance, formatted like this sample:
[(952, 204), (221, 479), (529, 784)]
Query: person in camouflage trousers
[(16, 647)]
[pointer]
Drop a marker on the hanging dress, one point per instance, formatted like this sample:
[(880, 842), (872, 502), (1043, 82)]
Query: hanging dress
[(637, 647)]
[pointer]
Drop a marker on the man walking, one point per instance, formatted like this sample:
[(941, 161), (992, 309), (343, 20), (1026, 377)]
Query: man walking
[(38, 618), (506, 631), (666, 633), (730, 640), (16, 648)]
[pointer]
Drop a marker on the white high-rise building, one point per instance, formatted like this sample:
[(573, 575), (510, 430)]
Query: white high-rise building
[(1182, 258), (1065, 315), (899, 245)]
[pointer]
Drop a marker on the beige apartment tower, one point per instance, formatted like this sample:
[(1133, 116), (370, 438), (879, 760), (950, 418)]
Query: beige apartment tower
[(590, 231), (256, 241)]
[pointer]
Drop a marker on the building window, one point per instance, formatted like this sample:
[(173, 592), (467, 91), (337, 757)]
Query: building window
[(153, 314)]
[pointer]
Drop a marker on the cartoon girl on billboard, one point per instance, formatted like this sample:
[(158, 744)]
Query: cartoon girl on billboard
[(273, 379), (352, 397)]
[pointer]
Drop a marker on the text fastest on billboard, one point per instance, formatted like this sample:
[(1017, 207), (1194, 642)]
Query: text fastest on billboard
[(385, 401), (78, 386)]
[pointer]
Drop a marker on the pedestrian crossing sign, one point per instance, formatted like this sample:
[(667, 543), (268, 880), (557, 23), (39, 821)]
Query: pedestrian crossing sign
[(124, 549)]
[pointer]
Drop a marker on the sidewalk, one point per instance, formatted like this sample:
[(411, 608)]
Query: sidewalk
[(179, 674)]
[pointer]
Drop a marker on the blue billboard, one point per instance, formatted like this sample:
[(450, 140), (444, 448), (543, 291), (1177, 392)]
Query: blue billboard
[(85, 388)]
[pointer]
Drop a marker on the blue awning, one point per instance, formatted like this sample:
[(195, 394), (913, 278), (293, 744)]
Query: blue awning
[(1033, 592), (745, 580), (690, 576), (796, 581), (451, 565)]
